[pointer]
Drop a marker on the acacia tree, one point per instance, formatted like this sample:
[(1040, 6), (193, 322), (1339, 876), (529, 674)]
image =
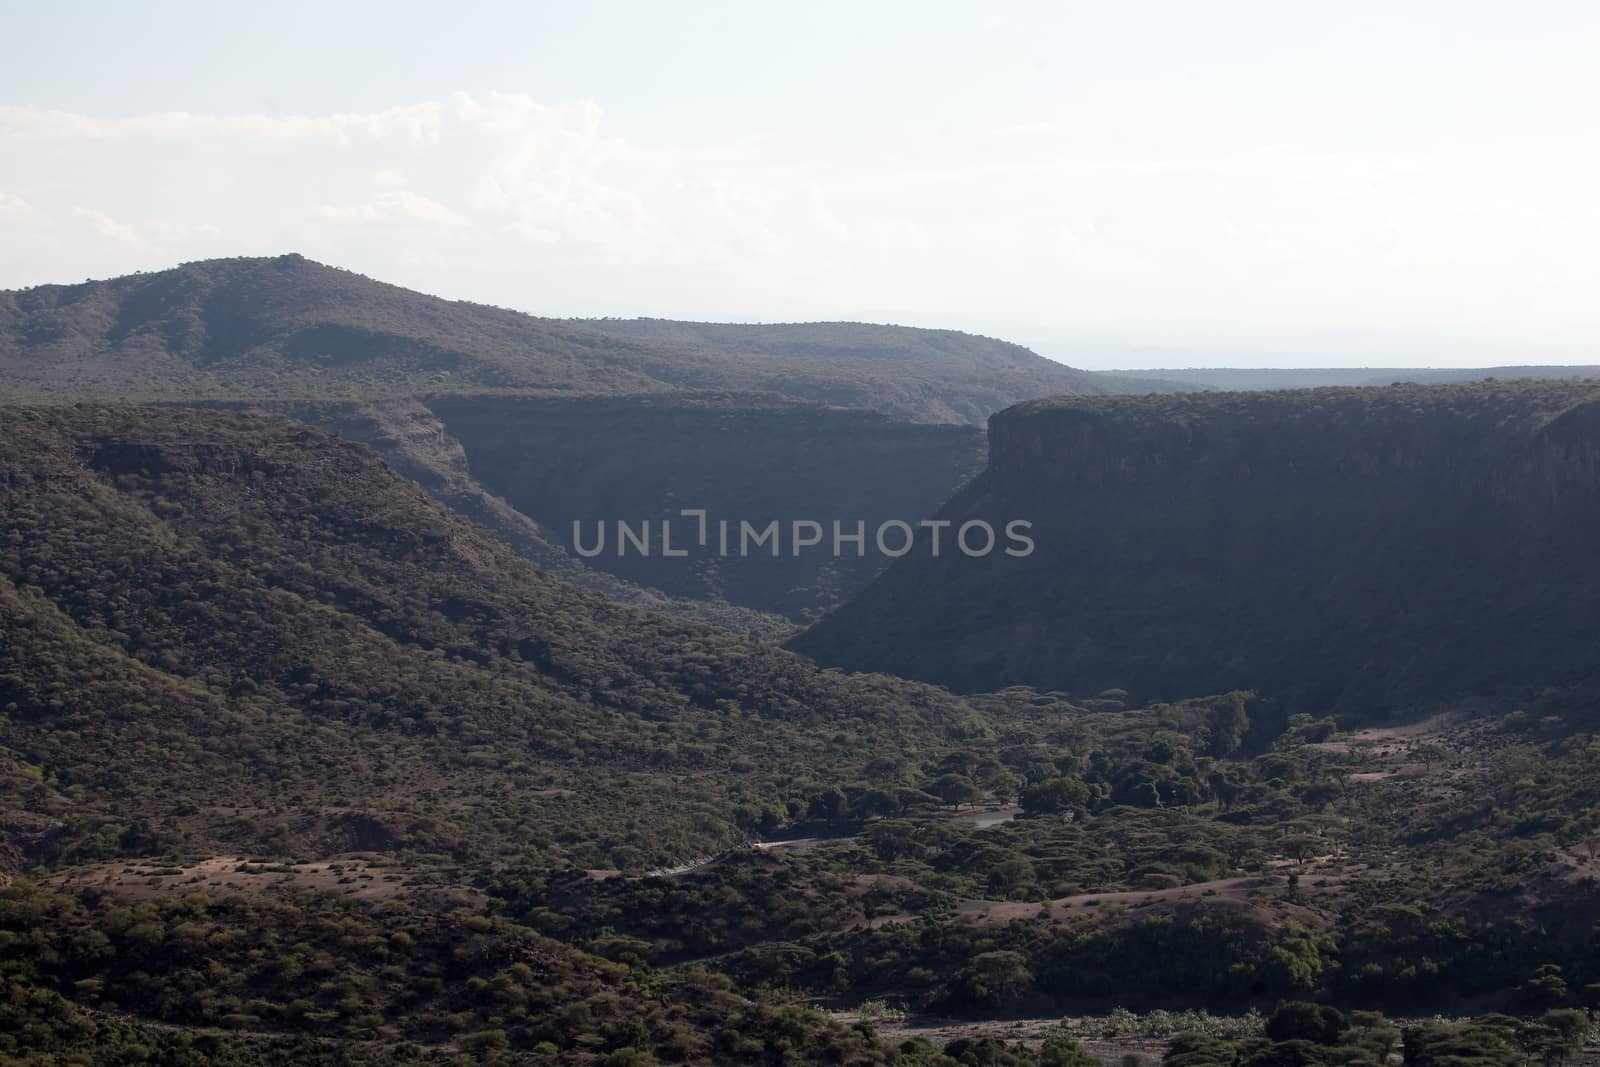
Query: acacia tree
[(956, 790), (1227, 724)]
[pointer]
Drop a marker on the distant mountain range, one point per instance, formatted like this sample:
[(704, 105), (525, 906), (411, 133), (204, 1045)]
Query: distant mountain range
[(917, 374), (290, 327), (1251, 378)]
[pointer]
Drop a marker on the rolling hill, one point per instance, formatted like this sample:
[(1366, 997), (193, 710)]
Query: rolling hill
[(918, 374), (287, 327)]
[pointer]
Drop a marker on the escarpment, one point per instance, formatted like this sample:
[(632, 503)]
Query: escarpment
[(1339, 549), (738, 459)]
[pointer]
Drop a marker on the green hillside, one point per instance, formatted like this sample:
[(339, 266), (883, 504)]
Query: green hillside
[(248, 608)]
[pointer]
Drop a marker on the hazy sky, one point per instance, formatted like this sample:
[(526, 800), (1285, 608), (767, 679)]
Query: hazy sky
[(1114, 183)]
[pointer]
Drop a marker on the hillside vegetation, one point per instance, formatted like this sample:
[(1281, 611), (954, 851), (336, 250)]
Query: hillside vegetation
[(228, 607)]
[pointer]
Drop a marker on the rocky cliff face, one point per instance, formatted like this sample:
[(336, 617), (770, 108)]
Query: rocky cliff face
[(1343, 549), (601, 461)]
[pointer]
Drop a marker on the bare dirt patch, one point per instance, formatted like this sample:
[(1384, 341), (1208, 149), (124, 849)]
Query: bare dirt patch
[(1265, 896), (1031, 1032), (358, 877)]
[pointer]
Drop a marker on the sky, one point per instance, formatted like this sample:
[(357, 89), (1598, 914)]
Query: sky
[(1115, 184)]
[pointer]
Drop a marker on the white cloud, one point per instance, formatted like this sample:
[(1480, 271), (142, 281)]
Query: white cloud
[(510, 200), (1035, 128), (15, 211), (105, 226), (417, 125), (398, 204)]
